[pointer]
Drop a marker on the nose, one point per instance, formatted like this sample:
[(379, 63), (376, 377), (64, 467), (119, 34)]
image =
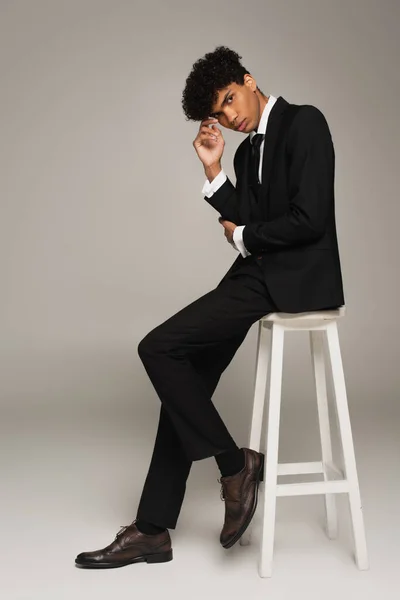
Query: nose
[(230, 118)]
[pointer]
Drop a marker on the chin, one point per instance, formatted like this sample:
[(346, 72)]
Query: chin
[(247, 128)]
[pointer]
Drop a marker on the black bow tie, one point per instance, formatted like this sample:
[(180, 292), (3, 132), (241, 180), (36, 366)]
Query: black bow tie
[(255, 158)]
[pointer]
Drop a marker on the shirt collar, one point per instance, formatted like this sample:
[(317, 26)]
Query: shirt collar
[(262, 127)]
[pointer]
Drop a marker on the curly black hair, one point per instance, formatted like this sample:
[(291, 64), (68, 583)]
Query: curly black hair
[(215, 71)]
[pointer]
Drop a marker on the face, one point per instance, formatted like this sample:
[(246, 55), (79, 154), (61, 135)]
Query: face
[(237, 102)]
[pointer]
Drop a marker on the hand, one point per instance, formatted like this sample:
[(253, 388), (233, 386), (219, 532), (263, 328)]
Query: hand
[(229, 229), (209, 143)]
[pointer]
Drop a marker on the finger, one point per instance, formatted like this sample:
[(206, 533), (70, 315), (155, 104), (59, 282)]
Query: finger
[(215, 128), (206, 137), (209, 120), (213, 133), (207, 134), (212, 129)]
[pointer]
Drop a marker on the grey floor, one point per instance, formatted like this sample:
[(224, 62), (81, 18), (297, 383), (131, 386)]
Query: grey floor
[(69, 483)]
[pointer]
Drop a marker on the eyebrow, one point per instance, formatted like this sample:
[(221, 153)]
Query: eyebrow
[(223, 101)]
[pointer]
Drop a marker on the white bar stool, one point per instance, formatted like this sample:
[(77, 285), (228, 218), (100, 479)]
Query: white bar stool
[(322, 326)]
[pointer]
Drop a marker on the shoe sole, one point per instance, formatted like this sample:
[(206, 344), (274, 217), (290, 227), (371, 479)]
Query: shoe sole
[(149, 558), (260, 477)]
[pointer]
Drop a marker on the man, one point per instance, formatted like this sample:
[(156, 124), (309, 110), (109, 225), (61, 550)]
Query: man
[(280, 217)]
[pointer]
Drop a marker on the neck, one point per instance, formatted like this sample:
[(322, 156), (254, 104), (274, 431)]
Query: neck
[(262, 102)]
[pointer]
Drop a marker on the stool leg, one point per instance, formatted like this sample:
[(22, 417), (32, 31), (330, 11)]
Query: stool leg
[(317, 355), (260, 384), (361, 553), (271, 452)]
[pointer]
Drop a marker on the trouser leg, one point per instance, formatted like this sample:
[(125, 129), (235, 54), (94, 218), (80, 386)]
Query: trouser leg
[(165, 484), (201, 340), (169, 354)]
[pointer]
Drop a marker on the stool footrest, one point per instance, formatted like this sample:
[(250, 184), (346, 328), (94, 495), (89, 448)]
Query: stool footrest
[(300, 468), (308, 468), (310, 488)]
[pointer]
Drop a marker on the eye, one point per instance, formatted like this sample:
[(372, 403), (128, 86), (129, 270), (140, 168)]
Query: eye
[(215, 115)]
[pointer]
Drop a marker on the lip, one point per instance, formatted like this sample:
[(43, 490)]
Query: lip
[(241, 126)]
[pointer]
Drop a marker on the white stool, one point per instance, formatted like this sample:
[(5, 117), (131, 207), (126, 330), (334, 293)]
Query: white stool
[(322, 325)]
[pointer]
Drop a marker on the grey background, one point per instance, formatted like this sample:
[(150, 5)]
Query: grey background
[(105, 234)]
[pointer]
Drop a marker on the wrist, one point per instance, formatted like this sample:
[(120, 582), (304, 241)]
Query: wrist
[(212, 171)]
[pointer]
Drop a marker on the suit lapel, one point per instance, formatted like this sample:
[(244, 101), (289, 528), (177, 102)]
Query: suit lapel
[(242, 182), (270, 141)]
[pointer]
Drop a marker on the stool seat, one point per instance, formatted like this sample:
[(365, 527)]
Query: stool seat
[(336, 479), (314, 314)]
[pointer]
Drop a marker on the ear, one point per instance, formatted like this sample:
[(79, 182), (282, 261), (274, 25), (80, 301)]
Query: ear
[(250, 82)]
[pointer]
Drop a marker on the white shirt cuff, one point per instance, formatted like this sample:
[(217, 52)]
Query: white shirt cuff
[(210, 188), (238, 241)]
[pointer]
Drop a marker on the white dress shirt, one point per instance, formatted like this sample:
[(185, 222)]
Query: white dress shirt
[(210, 188)]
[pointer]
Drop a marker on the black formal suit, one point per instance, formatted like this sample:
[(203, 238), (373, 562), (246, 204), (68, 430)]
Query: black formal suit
[(294, 267), (296, 234)]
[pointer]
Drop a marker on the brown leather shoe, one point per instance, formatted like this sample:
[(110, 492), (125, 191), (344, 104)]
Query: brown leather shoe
[(129, 546), (240, 492)]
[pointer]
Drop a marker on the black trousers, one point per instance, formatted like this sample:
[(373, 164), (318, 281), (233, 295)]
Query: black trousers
[(184, 358)]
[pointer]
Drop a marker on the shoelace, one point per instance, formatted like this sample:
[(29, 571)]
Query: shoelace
[(221, 494), (122, 530)]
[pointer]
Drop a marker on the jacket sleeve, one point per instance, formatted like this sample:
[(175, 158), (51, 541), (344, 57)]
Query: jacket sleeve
[(311, 181), (225, 199)]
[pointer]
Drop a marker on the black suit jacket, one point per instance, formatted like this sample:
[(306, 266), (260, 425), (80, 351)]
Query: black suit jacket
[(297, 234)]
